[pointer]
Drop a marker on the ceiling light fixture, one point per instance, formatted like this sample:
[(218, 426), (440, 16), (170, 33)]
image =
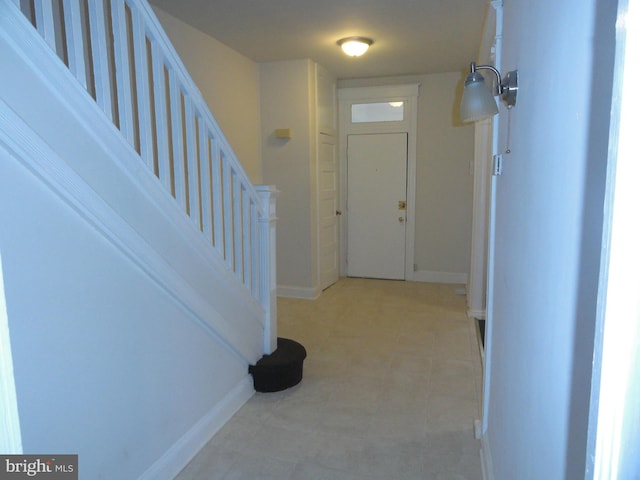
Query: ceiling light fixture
[(355, 46), (477, 99)]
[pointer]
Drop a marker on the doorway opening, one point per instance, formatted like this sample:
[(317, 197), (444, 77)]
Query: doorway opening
[(378, 129)]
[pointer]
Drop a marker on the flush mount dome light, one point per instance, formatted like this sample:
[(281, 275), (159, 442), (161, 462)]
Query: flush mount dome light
[(355, 46)]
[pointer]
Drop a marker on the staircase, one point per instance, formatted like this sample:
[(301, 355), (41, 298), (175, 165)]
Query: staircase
[(138, 259)]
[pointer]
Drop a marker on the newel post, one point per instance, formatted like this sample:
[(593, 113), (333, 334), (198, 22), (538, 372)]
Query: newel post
[(268, 282)]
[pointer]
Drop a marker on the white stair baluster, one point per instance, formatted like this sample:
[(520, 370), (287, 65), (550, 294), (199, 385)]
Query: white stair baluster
[(255, 250), (143, 89), (45, 22), (246, 238), (228, 212), (216, 191), (177, 136), (160, 96), (123, 70), (205, 181), (237, 225), (192, 162), (101, 73), (75, 40)]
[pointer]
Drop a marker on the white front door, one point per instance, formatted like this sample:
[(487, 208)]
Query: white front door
[(327, 211), (376, 205)]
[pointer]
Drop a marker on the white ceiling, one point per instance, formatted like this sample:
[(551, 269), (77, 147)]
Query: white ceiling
[(410, 36)]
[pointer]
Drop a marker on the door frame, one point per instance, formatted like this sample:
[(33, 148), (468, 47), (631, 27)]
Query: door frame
[(327, 117), (407, 93)]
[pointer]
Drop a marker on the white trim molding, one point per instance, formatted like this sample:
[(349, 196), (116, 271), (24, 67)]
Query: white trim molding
[(486, 460), (309, 293), (10, 435), (480, 314), (440, 277), (476, 298), (494, 50), (613, 434)]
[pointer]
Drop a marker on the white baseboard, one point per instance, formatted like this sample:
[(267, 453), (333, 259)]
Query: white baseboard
[(439, 277), (181, 452), (298, 292), (480, 314), (485, 459)]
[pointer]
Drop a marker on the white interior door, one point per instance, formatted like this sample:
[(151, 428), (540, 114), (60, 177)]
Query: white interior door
[(376, 205), (328, 207)]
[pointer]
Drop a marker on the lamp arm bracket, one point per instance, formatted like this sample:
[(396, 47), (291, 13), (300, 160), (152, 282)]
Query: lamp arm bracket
[(499, 86)]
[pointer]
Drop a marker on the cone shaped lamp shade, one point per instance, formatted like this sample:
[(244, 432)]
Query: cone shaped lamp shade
[(477, 100)]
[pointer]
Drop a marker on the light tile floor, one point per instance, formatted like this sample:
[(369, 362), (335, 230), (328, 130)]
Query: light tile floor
[(390, 391)]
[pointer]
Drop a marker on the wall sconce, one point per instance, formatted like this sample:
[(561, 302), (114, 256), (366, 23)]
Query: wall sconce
[(477, 99), (355, 46)]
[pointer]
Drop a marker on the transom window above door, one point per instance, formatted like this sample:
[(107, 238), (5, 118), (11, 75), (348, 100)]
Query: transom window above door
[(377, 112)]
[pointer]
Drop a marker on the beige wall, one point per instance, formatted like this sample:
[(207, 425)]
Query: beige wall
[(444, 190), (288, 101), (444, 184), (228, 82)]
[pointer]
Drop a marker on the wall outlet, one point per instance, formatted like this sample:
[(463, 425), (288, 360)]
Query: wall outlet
[(477, 429)]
